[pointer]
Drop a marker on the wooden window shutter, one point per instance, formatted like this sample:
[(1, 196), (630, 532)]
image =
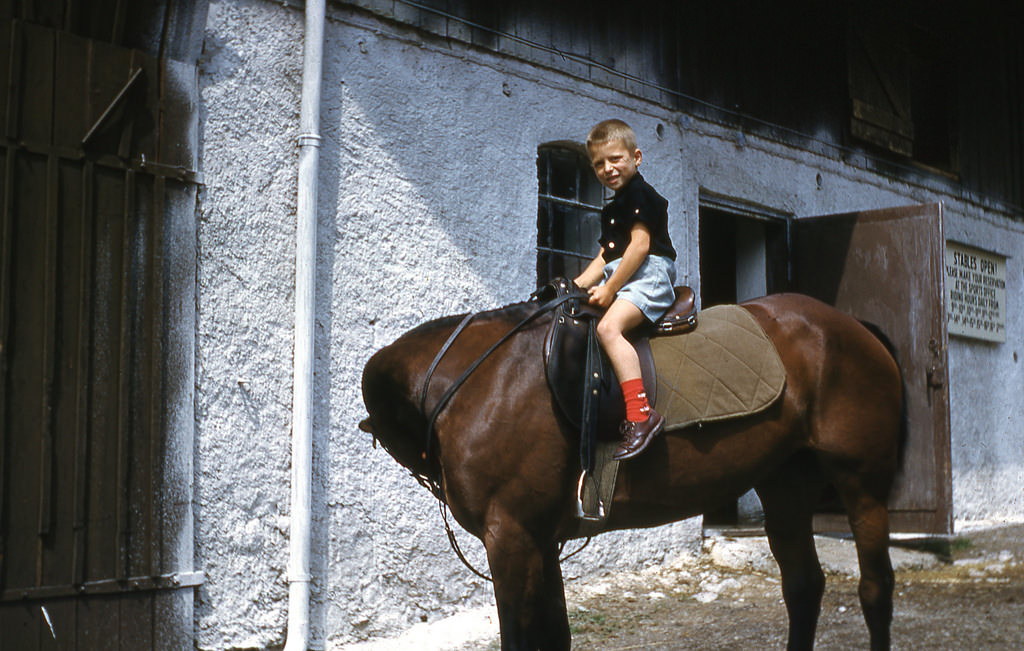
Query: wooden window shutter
[(879, 69)]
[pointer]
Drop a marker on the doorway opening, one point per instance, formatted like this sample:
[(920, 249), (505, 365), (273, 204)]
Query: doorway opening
[(743, 255), (746, 251)]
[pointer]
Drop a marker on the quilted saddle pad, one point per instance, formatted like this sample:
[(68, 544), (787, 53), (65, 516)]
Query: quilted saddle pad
[(725, 368)]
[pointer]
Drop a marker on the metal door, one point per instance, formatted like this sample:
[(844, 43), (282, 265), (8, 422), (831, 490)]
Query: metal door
[(885, 267), (96, 324)]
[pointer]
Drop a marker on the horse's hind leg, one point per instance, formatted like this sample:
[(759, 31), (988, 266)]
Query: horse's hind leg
[(788, 523), (528, 590), (869, 522)]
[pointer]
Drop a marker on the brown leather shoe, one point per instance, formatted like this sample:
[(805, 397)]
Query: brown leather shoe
[(637, 436)]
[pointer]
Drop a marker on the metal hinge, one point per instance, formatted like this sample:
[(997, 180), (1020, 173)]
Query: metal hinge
[(173, 581)]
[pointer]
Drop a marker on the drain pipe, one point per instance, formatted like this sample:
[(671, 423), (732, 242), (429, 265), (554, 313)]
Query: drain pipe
[(305, 312)]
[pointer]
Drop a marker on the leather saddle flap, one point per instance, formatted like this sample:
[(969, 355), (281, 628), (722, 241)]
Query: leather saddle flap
[(726, 367), (566, 344), (564, 361)]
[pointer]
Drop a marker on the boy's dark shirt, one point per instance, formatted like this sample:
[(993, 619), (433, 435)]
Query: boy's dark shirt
[(637, 202)]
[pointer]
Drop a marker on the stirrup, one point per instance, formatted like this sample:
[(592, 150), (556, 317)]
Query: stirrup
[(580, 511)]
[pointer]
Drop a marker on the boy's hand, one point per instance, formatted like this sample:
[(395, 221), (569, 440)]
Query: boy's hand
[(601, 296)]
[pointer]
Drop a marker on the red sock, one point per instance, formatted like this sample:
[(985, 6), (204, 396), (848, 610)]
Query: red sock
[(636, 400)]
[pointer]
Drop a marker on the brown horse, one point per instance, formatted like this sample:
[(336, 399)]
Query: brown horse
[(506, 461)]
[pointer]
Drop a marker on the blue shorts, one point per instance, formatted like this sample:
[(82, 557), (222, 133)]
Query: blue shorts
[(650, 288)]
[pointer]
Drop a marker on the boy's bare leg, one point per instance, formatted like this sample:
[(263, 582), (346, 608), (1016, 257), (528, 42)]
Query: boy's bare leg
[(620, 318)]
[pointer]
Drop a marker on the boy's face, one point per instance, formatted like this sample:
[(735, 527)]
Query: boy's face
[(614, 165)]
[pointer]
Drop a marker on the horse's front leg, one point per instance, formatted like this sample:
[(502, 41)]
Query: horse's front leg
[(528, 588)]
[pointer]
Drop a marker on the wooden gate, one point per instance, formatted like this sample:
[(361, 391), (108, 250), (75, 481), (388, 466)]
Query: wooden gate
[(885, 267), (97, 268)]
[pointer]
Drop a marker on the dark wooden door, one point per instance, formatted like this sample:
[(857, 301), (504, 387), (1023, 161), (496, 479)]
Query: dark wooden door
[(885, 267), (97, 241)]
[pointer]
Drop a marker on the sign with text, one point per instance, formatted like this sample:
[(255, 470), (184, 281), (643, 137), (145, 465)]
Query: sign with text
[(975, 292)]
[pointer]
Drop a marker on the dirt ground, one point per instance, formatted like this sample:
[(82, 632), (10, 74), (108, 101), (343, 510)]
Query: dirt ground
[(969, 598)]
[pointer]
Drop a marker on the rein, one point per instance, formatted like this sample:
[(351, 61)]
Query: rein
[(453, 541), (434, 484), (544, 309)]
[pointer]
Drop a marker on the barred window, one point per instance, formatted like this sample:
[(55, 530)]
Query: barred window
[(568, 211)]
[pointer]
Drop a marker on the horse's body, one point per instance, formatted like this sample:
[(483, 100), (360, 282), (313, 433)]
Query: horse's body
[(507, 461)]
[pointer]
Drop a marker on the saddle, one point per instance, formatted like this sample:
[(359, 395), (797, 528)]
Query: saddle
[(581, 379), (578, 371)]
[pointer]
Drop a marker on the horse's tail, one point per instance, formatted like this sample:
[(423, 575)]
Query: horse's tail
[(904, 421)]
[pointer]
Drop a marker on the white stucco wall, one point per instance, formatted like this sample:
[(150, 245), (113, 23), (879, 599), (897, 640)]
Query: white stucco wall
[(428, 207), (987, 387), (250, 84)]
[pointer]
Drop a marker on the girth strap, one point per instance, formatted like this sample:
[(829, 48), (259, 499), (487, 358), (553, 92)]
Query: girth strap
[(593, 376)]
